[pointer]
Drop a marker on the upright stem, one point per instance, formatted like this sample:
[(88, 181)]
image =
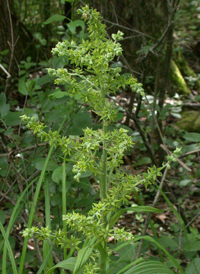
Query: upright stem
[(103, 187), (103, 180)]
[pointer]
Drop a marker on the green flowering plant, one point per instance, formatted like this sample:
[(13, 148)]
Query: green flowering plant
[(100, 152)]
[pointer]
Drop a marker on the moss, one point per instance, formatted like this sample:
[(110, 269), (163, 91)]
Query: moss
[(177, 79), (186, 71), (190, 121)]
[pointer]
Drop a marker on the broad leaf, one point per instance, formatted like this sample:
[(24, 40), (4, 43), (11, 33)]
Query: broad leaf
[(55, 18), (192, 246), (2, 216), (83, 255), (117, 215), (13, 118), (4, 108), (74, 24), (43, 80), (22, 88), (66, 264), (150, 267), (39, 164), (193, 137), (193, 267)]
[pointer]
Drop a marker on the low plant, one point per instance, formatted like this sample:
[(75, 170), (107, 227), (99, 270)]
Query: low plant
[(85, 239)]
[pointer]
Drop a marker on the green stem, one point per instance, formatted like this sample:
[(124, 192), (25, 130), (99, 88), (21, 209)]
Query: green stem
[(103, 181), (33, 208), (35, 200), (64, 210), (103, 188), (64, 205), (46, 244)]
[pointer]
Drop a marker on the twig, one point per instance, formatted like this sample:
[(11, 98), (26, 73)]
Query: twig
[(7, 198), (23, 149), (149, 213), (7, 73), (188, 153), (123, 27), (193, 219), (12, 47), (178, 160)]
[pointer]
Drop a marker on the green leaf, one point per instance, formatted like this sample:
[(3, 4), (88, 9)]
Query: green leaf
[(13, 118), (59, 62), (58, 94), (74, 24), (193, 267), (169, 256), (117, 215), (2, 99), (80, 121), (8, 246), (192, 137), (4, 108), (168, 242), (9, 131), (143, 161), (55, 18), (39, 164), (66, 264), (129, 265), (2, 216), (57, 174), (150, 267), (192, 246), (43, 80), (22, 88), (83, 255), (56, 199), (185, 182)]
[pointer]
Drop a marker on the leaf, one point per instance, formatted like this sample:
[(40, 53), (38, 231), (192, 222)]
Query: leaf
[(13, 118), (4, 108), (193, 137), (55, 18), (59, 62), (150, 267), (80, 121), (193, 267), (83, 255), (22, 88), (39, 163), (8, 246), (56, 199), (2, 216), (116, 216), (59, 94), (2, 99), (143, 161), (185, 182), (9, 131), (43, 80), (168, 242), (161, 217), (66, 264), (192, 246), (57, 174), (74, 24), (169, 256)]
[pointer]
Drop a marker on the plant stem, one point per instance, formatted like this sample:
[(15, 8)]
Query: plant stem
[(64, 205), (103, 188), (33, 208), (103, 181)]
